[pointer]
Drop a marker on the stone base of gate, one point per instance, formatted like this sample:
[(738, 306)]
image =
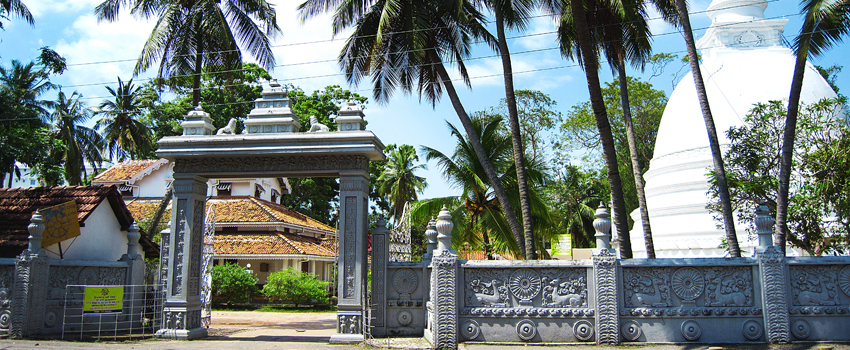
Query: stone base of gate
[(340, 338), (186, 334)]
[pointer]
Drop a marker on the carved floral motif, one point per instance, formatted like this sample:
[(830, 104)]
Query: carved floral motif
[(729, 286), (688, 283), (647, 287), (814, 285)]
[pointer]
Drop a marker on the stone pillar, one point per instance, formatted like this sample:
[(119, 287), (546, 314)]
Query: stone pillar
[(354, 200), (380, 257), (764, 225), (182, 309), (773, 274), (29, 298), (602, 224), (135, 276), (431, 237), (442, 307), (607, 300)]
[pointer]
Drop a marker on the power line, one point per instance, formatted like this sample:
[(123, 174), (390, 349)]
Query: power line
[(396, 32), (467, 59)]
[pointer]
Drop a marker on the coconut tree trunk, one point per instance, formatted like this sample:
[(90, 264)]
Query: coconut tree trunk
[(516, 138), (630, 136), (480, 152), (199, 60), (788, 142), (714, 144), (601, 115), (160, 209)]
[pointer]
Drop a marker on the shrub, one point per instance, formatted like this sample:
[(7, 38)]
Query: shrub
[(234, 283), (295, 287)]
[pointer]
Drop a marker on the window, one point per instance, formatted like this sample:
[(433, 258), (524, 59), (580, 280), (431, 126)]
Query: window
[(305, 266), (32, 182), (264, 267), (275, 195), (258, 190), (126, 190), (223, 189)]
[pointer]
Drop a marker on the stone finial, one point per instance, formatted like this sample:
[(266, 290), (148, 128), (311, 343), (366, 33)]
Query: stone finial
[(380, 227), (350, 118), (133, 236), (764, 226), (197, 123), (272, 112), (602, 224), (36, 228), (431, 236), (444, 228)]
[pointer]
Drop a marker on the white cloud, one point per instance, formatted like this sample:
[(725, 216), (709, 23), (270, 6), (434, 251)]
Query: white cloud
[(101, 52), (306, 52), (540, 34), (40, 8)]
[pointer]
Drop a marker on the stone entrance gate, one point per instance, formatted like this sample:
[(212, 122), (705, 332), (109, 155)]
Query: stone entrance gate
[(270, 145)]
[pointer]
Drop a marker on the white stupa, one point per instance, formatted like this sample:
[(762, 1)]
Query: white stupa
[(744, 63)]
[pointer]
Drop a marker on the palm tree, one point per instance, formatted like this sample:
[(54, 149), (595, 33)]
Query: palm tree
[(477, 208), (190, 36), (398, 181), (17, 8), (825, 23), (81, 144), (22, 85), (515, 14), (402, 44), (575, 18), (123, 134), (623, 34), (713, 142)]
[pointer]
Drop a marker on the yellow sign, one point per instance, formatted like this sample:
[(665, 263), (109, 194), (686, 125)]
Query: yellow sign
[(562, 245), (103, 299), (60, 223)]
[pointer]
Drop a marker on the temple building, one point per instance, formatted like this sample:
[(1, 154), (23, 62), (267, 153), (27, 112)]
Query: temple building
[(743, 63)]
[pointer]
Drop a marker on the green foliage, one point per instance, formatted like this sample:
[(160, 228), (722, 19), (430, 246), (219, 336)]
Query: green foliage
[(579, 132), (830, 74), (819, 207), (398, 181), (574, 196), (537, 116), (234, 283), (477, 215), (323, 104), (291, 286)]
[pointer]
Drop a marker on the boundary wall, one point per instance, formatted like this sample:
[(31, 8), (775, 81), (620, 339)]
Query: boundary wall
[(767, 298)]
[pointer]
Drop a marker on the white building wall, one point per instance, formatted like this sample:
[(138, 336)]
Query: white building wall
[(100, 240), (154, 184)]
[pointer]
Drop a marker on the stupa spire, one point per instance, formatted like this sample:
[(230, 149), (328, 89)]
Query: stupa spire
[(740, 24)]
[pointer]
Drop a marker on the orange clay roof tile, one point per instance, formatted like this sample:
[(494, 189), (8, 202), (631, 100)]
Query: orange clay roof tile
[(125, 170)]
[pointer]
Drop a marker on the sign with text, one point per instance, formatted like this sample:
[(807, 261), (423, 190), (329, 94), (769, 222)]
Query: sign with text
[(103, 300), (562, 245)]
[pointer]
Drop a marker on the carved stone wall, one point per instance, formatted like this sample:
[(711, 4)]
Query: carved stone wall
[(818, 299), (406, 291), (443, 323)]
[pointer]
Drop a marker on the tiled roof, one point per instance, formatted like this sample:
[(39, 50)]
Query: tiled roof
[(125, 171), (145, 208), (18, 204), (236, 210), (254, 210), (268, 243)]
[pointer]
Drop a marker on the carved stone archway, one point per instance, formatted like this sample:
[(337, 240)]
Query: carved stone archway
[(271, 146)]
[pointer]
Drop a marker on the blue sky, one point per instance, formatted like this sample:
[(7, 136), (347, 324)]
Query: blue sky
[(97, 53)]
